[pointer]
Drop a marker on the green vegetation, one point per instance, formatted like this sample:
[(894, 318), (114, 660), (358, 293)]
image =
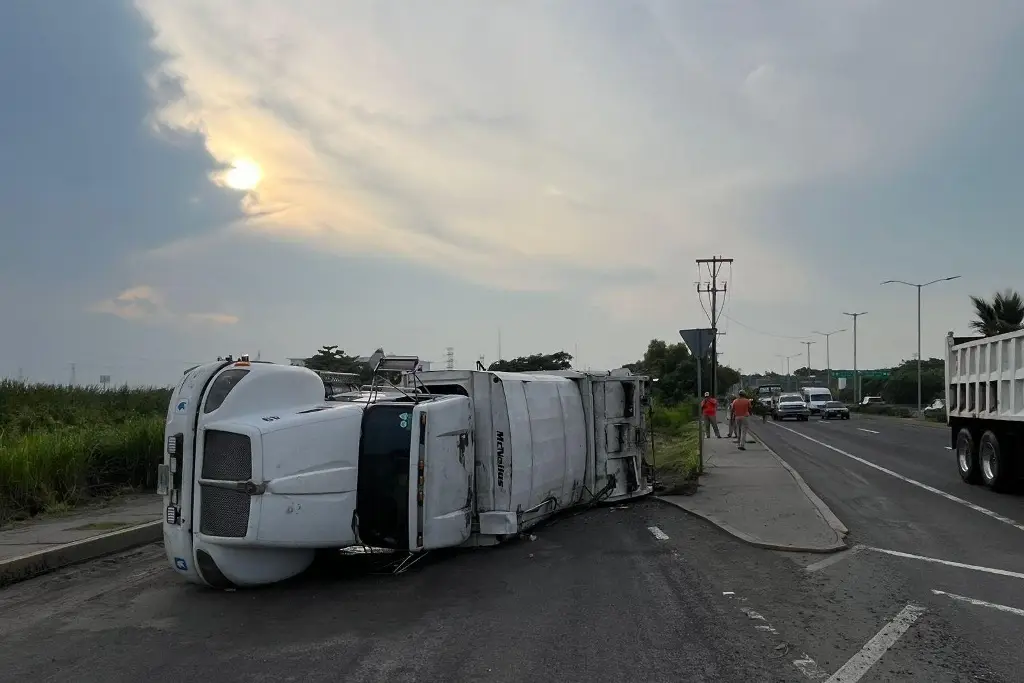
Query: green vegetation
[(676, 447), (1003, 313), (62, 445)]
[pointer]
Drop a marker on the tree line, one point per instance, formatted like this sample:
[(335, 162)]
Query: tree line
[(672, 364), (676, 369), (1000, 314)]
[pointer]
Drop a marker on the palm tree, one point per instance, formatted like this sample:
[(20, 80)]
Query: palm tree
[(1004, 313)]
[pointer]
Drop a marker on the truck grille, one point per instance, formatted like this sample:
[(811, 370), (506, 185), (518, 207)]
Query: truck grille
[(227, 456), (223, 512)]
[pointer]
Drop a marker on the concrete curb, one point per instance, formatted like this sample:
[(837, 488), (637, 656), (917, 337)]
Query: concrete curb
[(747, 538), (43, 561), (824, 510)]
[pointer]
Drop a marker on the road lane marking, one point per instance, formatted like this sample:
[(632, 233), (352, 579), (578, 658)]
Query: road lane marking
[(861, 663), (832, 559), (949, 448), (981, 603), (658, 533), (808, 667), (949, 563), (872, 431), (926, 487)]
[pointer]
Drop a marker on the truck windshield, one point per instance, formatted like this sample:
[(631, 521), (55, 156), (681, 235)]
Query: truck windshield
[(820, 397), (382, 494)]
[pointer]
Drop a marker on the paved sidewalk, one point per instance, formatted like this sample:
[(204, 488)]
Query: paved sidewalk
[(48, 542), (755, 496)]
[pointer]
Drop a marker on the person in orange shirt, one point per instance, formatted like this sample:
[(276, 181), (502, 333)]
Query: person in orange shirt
[(741, 409), (709, 414)]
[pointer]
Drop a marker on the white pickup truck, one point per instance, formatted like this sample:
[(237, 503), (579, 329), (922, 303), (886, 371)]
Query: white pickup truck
[(262, 470)]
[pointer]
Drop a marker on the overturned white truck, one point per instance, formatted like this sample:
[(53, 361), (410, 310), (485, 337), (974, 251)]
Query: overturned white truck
[(264, 467)]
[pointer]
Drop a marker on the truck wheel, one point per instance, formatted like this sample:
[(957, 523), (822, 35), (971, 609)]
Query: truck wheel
[(967, 457), (995, 470)]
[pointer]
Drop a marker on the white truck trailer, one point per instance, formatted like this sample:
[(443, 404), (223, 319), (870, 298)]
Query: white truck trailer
[(985, 407), (263, 468)]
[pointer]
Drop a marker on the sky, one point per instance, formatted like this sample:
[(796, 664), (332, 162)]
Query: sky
[(182, 179)]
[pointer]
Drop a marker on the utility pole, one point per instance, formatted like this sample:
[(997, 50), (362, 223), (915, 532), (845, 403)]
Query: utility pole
[(449, 358), (856, 376), (72, 374), (714, 265), (808, 343), (828, 357)]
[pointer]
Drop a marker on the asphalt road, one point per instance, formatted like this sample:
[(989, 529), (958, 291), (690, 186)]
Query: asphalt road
[(596, 597), (885, 511)]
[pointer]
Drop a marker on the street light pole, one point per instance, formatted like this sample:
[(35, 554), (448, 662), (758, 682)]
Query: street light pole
[(856, 376), (919, 288), (787, 359), (828, 356), (808, 343)]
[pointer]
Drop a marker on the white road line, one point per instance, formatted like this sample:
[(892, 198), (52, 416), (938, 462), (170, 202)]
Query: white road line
[(949, 448), (949, 563), (926, 487), (658, 533), (860, 663), (832, 559), (808, 667), (981, 603), (871, 431)]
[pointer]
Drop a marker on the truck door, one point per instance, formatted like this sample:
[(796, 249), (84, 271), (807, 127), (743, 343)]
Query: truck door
[(441, 466)]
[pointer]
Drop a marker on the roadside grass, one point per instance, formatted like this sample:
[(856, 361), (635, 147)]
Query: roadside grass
[(676, 448), (61, 446)]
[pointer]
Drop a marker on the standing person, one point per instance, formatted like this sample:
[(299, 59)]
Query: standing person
[(732, 419), (741, 409), (709, 413)]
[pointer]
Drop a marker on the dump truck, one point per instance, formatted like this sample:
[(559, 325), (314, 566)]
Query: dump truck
[(985, 407)]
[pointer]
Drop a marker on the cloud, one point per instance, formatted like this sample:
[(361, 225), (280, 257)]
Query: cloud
[(143, 303), (518, 144)]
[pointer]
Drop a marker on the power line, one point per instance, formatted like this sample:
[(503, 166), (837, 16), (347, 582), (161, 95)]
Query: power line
[(714, 265), (767, 334)]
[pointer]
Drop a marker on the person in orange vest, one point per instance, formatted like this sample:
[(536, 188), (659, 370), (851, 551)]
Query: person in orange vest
[(741, 409), (709, 414)]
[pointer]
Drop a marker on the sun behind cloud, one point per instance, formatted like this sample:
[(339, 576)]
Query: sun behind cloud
[(244, 174)]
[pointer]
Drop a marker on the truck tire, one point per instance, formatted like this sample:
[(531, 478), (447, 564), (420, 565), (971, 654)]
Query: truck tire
[(967, 457), (995, 470)]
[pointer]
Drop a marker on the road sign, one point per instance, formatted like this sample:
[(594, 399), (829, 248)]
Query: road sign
[(864, 374), (698, 340)]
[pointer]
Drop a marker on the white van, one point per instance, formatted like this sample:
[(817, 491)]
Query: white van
[(815, 398)]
